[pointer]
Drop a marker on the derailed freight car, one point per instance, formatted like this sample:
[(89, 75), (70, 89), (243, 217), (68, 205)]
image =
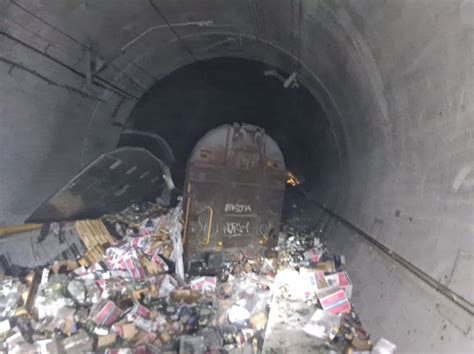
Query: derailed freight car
[(235, 184)]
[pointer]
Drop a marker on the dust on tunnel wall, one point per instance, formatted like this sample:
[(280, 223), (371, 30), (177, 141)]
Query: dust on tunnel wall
[(394, 78)]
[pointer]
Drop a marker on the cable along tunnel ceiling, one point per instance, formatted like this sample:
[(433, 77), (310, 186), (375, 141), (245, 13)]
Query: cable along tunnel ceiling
[(393, 79)]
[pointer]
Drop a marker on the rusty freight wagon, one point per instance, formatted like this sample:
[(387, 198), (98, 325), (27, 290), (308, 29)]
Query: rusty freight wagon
[(235, 185)]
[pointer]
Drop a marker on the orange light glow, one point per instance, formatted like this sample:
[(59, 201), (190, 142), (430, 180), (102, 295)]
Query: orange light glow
[(292, 180)]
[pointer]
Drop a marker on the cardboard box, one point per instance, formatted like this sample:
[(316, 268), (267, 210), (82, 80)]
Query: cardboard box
[(313, 282), (328, 266), (125, 330), (320, 281), (340, 280), (336, 303), (141, 311), (204, 283), (106, 313), (106, 341)]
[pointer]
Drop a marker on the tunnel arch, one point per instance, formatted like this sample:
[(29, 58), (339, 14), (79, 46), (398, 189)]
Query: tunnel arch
[(397, 79), (335, 28), (232, 84), (305, 76)]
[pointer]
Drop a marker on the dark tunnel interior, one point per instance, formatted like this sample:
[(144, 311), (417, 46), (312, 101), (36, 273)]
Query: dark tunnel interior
[(196, 98)]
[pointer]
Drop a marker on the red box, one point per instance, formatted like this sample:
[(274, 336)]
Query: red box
[(107, 313), (340, 280), (142, 311), (336, 303)]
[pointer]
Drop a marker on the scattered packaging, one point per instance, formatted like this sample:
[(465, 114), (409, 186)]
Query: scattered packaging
[(149, 326), (141, 311), (14, 339), (336, 303), (340, 280), (52, 295), (119, 351), (259, 321), (125, 330), (49, 346), (78, 343), (185, 295), (204, 283), (105, 313), (384, 346), (321, 324), (167, 285), (238, 315), (44, 276), (4, 326), (328, 266), (10, 292), (130, 295), (361, 344), (106, 341), (317, 280), (313, 255)]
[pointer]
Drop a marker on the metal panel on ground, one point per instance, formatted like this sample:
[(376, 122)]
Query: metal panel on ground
[(110, 183)]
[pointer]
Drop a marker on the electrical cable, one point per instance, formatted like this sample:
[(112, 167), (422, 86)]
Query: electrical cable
[(158, 11), (454, 297)]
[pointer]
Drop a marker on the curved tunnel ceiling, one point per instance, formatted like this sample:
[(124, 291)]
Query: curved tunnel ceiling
[(394, 79)]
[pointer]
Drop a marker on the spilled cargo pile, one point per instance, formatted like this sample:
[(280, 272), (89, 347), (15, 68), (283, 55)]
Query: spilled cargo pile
[(311, 309), (129, 293)]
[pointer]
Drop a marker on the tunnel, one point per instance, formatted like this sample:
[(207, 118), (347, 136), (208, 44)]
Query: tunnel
[(368, 100), (205, 95)]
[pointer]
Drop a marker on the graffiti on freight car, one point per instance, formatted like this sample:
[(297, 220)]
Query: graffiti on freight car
[(237, 208), (203, 225), (236, 229)]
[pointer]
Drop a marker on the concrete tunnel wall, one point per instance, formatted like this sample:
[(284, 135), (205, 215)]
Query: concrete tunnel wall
[(394, 78)]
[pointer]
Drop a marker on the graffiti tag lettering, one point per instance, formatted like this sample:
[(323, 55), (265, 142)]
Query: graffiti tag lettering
[(237, 208), (235, 229)]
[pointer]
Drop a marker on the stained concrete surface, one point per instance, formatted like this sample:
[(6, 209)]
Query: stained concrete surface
[(393, 78)]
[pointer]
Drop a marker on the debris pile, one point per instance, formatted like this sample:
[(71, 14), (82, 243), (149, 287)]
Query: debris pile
[(129, 294)]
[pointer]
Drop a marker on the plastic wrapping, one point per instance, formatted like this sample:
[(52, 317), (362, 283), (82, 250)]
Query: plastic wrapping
[(321, 324), (84, 292), (175, 234), (238, 315), (52, 296), (167, 285), (384, 346), (10, 293)]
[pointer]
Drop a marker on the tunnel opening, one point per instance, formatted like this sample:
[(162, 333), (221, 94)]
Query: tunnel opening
[(180, 108)]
